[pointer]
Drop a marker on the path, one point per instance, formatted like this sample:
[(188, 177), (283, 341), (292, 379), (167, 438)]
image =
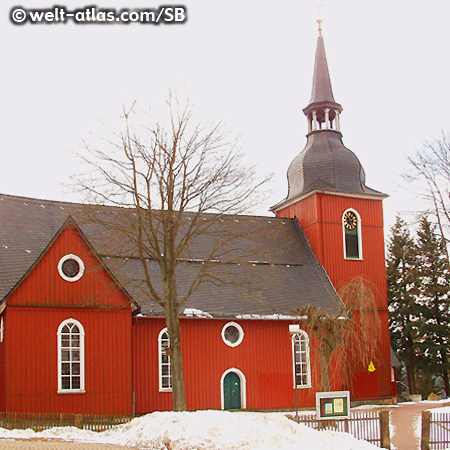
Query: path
[(406, 421)]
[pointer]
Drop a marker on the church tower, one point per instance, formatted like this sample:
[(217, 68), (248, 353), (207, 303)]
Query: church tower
[(341, 216)]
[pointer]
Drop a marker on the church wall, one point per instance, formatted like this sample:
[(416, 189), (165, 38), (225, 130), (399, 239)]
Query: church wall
[(264, 357), (308, 214), (36, 309), (321, 218), (3, 364), (32, 361)]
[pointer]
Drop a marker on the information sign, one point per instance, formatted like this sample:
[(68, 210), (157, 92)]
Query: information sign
[(334, 405)]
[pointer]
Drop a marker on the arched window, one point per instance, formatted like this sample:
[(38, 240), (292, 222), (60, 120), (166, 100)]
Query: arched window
[(165, 378), (70, 356), (351, 225), (300, 357)]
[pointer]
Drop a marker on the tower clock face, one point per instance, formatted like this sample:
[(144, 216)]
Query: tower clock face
[(350, 220)]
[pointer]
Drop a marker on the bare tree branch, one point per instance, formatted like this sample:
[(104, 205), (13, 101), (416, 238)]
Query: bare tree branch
[(174, 180)]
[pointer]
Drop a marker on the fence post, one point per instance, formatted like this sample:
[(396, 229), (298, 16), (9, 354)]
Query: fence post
[(426, 425), (79, 420), (385, 438)]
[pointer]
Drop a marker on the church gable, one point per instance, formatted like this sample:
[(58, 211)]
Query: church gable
[(68, 274)]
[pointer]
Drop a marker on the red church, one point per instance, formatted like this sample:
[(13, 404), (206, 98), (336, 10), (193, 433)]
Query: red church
[(77, 335)]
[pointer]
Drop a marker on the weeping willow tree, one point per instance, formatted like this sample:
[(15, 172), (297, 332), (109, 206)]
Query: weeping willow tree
[(349, 335)]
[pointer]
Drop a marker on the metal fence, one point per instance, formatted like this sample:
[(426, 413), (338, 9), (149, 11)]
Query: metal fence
[(435, 430), (371, 426), (39, 422)]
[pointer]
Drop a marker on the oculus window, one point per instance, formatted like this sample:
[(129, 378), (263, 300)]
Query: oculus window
[(232, 334), (71, 268)]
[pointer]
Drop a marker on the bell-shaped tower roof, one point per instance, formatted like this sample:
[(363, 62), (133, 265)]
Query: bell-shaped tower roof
[(325, 164)]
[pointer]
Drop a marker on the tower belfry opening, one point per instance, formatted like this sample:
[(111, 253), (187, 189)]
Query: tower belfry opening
[(323, 111)]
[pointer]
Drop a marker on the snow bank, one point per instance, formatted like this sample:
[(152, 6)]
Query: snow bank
[(206, 430)]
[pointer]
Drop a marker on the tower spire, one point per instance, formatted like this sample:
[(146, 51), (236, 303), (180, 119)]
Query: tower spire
[(325, 164), (323, 110)]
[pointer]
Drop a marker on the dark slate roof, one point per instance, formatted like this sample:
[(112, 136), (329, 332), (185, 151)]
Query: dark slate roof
[(326, 164), (277, 269)]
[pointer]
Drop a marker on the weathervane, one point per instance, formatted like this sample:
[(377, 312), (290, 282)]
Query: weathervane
[(319, 19)]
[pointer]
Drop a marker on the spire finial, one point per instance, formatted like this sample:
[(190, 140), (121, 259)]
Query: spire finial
[(319, 18)]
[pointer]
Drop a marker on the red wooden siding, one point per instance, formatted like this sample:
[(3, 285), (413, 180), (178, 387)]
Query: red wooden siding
[(264, 357), (31, 362), (35, 310), (321, 217), (45, 287), (3, 367)]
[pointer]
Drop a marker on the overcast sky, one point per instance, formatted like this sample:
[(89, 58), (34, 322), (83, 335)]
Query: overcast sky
[(247, 62)]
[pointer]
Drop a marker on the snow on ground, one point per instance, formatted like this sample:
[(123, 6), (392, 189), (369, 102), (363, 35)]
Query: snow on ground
[(205, 430)]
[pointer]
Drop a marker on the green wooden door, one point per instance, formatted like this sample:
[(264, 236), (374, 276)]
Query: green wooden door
[(232, 391)]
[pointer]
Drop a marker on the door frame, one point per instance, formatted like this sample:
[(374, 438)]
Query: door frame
[(243, 382)]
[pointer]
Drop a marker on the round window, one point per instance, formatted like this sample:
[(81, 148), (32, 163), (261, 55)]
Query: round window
[(232, 334), (71, 268)]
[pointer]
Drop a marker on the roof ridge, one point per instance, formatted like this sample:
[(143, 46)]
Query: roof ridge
[(98, 205)]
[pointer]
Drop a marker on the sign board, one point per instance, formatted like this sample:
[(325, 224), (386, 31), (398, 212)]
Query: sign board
[(334, 405)]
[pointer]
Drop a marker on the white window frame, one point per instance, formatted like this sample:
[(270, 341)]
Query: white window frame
[(304, 358), (162, 363), (243, 387), (241, 334), (80, 263), (81, 389), (2, 329), (358, 233)]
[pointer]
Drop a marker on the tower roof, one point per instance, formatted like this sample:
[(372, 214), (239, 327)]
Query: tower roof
[(325, 164), (321, 90)]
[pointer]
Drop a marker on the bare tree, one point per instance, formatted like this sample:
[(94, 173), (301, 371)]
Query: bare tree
[(347, 335), (171, 173), (431, 168)]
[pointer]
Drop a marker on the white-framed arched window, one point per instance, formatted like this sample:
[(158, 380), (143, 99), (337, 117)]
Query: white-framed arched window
[(301, 360), (70, 338), (351, 229), (165, 377)]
